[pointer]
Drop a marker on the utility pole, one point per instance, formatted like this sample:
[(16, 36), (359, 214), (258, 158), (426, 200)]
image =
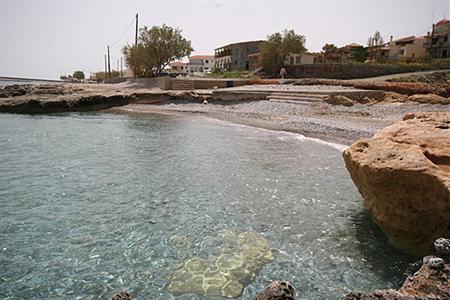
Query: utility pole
[(109, 65), (121, 66), (118, 66), (106, 71), (136, 35)]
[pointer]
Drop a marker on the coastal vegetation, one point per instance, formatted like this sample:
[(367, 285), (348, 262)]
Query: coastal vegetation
[(157, 46)]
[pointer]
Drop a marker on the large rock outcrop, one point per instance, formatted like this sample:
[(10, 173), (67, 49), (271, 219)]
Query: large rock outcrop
[(403, 174)]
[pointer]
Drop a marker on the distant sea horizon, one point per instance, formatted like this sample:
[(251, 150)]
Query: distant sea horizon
[(4, 81)]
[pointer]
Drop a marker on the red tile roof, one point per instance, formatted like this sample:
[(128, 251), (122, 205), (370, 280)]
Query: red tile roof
[(442, 22), (201, 57), (177, 64)]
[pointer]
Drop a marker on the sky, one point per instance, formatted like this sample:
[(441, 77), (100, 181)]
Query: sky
[(47, 39)]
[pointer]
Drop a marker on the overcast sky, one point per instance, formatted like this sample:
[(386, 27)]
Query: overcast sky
[(44, 39)]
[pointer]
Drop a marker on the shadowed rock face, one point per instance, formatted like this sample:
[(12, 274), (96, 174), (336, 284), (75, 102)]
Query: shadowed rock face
[(403, 174)]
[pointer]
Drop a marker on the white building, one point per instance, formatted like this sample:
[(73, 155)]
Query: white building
[(200, 64), (178, 67)]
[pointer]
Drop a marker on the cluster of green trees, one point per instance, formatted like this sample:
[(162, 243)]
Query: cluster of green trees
[(156, 48), (278, 46), (79, 75)]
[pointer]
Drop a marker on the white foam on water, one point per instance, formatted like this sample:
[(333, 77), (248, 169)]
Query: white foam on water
[(297, 136)]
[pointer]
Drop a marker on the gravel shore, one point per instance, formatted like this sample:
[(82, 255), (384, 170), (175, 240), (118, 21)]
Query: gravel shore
[(337, 124)]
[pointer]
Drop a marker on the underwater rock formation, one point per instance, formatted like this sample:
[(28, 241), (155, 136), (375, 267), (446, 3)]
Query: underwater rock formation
[(242, 257), (403, 174)]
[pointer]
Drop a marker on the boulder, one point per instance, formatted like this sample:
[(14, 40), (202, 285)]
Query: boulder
[(339, 100), (122, 295), (429, 98), (403, 174), (277, 290), (425, 284)]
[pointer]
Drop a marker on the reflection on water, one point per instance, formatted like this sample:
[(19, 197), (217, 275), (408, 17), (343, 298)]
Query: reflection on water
[(96, 203)]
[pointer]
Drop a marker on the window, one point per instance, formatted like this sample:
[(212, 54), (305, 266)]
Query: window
[(444, 53), (446, 38), (206, 61)]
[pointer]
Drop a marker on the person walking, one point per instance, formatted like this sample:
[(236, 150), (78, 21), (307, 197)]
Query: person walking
[(283, 72)]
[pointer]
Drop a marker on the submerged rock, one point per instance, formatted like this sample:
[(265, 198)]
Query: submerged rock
[(241, 258), (403, 174), (122, 295), (277, 290)]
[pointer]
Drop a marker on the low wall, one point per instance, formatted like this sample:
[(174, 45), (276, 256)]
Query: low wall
[(357, 70), (163, 83), (167, 83)]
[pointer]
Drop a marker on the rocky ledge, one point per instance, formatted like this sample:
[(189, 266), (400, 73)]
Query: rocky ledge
[(403, 174), (430, 282)]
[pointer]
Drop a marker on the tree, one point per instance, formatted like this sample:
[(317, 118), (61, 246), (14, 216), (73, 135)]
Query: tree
[(157, 47), (375, 42), (78, 75), (360, 54), (277, 47), (331, 53)]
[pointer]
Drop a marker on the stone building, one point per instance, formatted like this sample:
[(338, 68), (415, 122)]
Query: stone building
[(407, 48), (235, 56), (437, 42)]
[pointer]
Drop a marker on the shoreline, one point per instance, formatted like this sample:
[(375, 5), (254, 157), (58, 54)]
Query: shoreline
[(333, 124), (124, 109)]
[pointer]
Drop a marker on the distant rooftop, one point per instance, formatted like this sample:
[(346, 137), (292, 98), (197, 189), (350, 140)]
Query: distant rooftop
[(442, 22), (354, 45), (177, 64), (241, 42), (201, 57)]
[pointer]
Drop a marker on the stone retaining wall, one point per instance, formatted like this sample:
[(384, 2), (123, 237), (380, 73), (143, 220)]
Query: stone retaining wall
[(357, 70)]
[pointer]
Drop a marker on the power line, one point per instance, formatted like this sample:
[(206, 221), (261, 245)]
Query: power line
[(123, 33)]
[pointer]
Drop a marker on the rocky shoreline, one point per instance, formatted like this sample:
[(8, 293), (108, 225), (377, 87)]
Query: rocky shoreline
[(402, 171), (403, 174)]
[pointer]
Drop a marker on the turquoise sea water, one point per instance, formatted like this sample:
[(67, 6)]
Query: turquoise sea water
[(94, 203)]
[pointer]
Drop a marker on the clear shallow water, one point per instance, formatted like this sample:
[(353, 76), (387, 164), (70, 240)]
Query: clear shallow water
[(95, 203)]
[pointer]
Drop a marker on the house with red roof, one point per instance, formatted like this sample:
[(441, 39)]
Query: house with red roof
[(438, 41)]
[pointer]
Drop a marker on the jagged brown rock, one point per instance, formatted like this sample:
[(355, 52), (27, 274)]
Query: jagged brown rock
[(122, 295), (425, 284), (277, 290), (403, 174), (429, 98), (339, 100)]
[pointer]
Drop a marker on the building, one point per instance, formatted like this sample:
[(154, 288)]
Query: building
[(296, 59), (178, 67), (407, 48), (437, 42), (236, 56), (200, 64)]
